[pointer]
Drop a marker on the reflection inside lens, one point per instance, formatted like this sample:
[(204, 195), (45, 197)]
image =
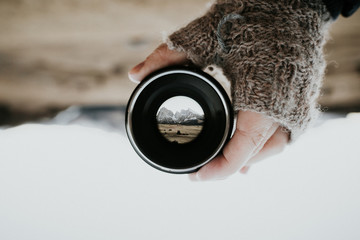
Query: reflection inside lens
[(180, 119)]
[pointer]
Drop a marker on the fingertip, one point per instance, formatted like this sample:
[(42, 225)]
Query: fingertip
[(133, 78), (193, 177), (159, 58), (244, 170), (200, 176), (135, 73), (219, 168), (211, 171)]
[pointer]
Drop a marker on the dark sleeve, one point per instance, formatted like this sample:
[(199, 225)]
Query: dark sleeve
[(344, 7)]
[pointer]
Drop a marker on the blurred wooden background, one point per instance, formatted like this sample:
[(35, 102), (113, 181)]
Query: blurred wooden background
[(54, 54)]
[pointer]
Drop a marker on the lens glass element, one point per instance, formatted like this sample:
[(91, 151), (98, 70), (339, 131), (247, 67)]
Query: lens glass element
[(180, 119)]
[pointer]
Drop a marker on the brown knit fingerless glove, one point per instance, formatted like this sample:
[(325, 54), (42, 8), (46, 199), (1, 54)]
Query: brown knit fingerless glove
[(270, 51)]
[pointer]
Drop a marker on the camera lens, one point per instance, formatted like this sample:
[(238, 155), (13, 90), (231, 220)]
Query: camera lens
[(178, 119)]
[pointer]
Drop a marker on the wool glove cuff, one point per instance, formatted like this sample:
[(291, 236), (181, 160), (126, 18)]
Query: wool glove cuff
[(270, 51)]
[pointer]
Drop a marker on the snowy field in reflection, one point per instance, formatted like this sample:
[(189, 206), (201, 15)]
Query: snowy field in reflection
[(79, 182)]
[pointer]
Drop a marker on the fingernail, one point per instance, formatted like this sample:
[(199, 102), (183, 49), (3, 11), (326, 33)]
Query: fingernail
[(194, 177), (134, 71), (199, 176), (133, 78), (245, 170)]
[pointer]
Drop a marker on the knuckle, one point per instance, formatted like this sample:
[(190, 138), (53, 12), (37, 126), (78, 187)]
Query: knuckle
[(230, 166), (157, 54), (161, 51), (254, 137)]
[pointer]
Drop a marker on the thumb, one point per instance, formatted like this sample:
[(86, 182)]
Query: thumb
[(159, 58)]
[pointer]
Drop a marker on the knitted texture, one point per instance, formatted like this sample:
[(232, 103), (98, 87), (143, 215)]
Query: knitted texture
[(270, 51)]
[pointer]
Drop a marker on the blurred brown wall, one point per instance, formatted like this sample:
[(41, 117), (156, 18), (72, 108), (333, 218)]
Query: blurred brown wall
[(341, 90), (58, 53)]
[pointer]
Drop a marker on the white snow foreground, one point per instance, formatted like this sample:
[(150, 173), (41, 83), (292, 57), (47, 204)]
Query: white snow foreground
[(72, 182)]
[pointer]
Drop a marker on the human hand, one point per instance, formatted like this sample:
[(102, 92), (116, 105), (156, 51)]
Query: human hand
[(256, 136), (270, 52)]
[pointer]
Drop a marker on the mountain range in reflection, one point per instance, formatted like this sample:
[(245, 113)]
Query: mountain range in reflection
[(183, 117)]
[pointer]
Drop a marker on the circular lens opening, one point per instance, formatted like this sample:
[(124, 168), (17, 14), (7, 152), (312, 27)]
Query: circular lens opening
[(180, 119)]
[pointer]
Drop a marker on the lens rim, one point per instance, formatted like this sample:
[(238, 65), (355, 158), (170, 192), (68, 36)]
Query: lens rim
[(191, 83)]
